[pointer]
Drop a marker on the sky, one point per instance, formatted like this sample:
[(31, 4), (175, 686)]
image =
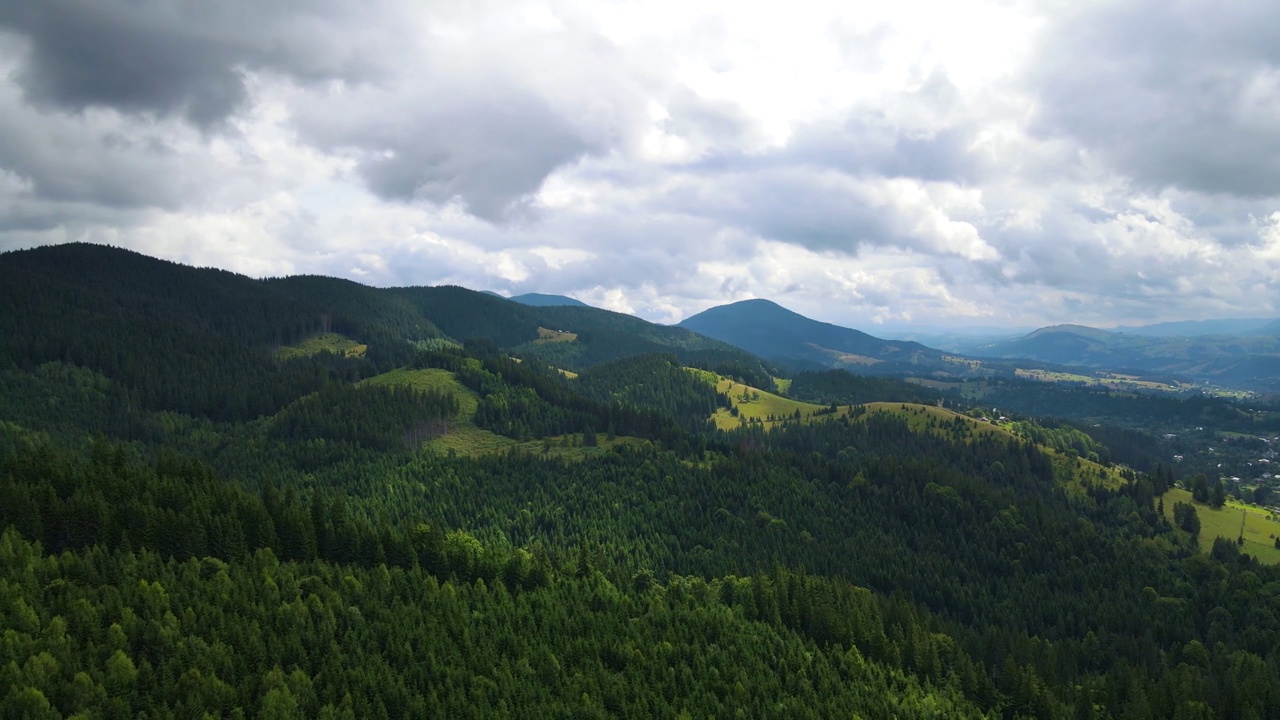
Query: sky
[(876, 165)]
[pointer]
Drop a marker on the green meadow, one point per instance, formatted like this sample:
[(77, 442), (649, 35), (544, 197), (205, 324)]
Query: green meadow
[(1232, 521), (322, 343)]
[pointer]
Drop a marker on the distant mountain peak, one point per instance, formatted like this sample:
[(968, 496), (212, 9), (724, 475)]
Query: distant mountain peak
[(767, 329), (546, 300), (1082, 330)]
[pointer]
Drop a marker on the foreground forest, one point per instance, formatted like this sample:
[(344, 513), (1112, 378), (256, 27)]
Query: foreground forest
[(205, 511)]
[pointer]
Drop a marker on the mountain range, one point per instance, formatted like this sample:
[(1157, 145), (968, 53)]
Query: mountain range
[(305, 497), (1250, 361), (738, 333)]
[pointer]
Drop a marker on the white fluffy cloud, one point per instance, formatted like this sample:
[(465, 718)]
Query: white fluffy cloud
[(940, 163)]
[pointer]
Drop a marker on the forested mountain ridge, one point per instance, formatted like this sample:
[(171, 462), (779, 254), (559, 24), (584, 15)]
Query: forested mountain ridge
[(100, 307), (194, 525)]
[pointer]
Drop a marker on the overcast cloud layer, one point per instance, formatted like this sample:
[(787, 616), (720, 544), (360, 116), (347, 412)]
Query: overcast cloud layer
[(1002, 164)]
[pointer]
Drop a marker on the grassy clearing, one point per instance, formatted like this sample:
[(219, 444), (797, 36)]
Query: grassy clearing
[(918, 416), (934, 384), (706, 376), (1049, 376), (966, 362), (468, 440), (756, 404), (570, 447), (549, 336), (1259, 527), (752, 403), (463, 438), (1071, 471), (784, 385), (324, 342), (845, 359), (1114, 381), (432, 379), (1076, 473)]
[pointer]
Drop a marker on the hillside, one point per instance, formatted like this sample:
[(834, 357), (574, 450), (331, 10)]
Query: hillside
[(215, 504), (93, 305)]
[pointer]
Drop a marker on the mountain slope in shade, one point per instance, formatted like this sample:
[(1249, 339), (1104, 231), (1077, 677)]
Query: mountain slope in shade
[(545, 300), (771, 331)]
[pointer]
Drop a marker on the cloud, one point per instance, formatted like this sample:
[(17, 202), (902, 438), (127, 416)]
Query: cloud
[(1019, 163), (1184, 95), (489, 152), (182, 58)]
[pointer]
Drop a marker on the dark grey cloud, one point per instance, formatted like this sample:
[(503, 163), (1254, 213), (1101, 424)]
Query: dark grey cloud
[(180, 58), (441, 147), (863, 148), (810, 207), (1172, 94), (424, 122), (81, 163)]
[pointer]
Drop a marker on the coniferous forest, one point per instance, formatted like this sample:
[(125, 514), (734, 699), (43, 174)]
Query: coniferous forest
[(475, 508)]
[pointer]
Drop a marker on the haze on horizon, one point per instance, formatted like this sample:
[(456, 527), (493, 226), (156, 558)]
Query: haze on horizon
[(991, 164)]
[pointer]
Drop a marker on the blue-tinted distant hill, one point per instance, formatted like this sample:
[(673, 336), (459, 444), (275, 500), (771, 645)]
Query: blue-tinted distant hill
[(545, 300), (1249, 361), (764, 328), (1194, 328)]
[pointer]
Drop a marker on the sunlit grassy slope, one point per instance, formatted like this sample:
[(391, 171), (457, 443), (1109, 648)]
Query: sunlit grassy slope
[(769, 408), (1259, 527), (752, 403), (324, 342), (546, 335), (463, 438)]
